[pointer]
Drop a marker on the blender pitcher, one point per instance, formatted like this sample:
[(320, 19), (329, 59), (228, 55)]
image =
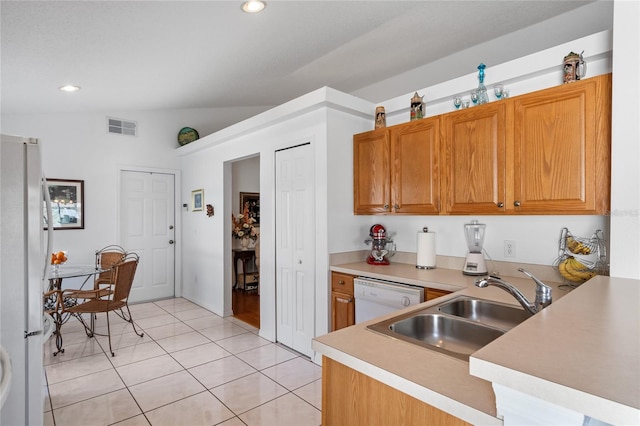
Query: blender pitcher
[(474, 263)]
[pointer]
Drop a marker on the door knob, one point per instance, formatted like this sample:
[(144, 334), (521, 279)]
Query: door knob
[(170, 241), (299, 261), (516, 203), (500, 204), (170, 226)]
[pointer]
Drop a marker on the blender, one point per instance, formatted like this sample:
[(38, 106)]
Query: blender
[(474, 264)]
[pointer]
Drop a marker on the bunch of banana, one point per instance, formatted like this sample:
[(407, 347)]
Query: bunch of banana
[(577, 247), (572, 270)]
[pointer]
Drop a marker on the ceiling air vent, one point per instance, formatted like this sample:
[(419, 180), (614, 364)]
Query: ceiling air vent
[(122, 127)]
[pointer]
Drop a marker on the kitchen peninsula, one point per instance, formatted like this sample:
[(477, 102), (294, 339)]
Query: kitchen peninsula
[(581, 353)]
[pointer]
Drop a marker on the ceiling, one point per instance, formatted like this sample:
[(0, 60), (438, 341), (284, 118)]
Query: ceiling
[(161, 55)]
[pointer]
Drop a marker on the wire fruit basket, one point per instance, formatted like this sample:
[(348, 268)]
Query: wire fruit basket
[(580, 259)]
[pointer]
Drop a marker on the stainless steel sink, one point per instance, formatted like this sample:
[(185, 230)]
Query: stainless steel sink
[(485, 312), (457, 327)]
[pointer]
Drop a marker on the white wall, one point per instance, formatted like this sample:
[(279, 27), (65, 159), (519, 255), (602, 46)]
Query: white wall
[(207, 164), (77, 146), (625, 177)]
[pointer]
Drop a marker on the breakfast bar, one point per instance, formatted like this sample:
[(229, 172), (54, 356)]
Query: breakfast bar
[(580, 353)]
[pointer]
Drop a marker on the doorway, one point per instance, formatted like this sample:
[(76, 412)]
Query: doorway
[(245, 280), (147, 227)]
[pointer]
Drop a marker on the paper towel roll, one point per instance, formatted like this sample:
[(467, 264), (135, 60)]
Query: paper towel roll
[(426, 255)]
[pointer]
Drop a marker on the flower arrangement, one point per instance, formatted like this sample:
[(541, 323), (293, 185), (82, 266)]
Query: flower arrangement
[(243, 225)]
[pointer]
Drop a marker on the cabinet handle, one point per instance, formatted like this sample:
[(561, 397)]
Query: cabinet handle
[(395, 206), (341, 300), (386, 206), (501, 204), (516, 203), (341, 282)]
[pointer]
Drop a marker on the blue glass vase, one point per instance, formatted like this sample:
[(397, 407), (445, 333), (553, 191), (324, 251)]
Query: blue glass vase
[(483, 98)]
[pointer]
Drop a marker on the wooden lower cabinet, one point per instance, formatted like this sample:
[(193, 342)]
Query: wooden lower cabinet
[(343, 310), (343, 305), (352, 398), (433, 293)]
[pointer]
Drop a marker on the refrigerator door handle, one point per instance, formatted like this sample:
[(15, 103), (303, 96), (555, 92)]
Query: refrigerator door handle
[(47, 203)]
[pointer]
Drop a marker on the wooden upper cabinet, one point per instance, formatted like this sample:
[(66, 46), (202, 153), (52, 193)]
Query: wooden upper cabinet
[(473, 148), (415, 182), (546, 152), (561, 148), (371, 178), (396, 169)]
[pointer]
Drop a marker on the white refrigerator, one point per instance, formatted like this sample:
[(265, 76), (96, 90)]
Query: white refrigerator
[(24, 253)]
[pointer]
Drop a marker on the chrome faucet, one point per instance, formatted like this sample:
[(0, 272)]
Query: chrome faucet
[(543, 291)]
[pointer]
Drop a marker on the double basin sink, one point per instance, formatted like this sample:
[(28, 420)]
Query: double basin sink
[(457, 327)]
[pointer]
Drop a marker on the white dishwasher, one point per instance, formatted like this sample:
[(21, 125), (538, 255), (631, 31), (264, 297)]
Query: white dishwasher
[(377, 297)]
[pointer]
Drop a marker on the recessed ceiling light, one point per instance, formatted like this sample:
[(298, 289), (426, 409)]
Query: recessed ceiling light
[(253, 6), (70, 88)]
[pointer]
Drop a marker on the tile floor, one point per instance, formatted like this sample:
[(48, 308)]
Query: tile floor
[(192, 367)]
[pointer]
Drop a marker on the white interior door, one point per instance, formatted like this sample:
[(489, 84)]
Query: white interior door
[(147, 227), (295, 253)]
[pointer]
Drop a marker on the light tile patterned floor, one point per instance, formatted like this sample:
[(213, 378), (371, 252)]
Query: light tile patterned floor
[(192, 367)]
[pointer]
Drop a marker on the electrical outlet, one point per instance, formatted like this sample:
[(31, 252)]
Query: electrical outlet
[(509, 248)]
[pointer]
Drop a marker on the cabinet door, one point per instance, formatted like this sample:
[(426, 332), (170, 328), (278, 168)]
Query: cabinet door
[(474, 151), (352, 398), (371, 181), (342, 283), (343, 312), (433, 293), (415, 182), (556, 132)]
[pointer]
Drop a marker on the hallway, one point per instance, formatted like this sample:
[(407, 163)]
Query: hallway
[(246, 306), (192, 367)]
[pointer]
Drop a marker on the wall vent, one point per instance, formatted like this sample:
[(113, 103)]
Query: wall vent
[(122, 127)]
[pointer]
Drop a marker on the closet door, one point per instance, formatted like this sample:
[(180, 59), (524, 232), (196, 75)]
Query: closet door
[(295, 253)]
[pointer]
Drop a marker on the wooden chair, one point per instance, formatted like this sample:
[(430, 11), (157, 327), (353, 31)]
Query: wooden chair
[(95, 302)]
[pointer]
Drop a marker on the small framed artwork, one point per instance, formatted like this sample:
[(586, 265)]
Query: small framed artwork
[(253, 198), (67, 204), (197, 200)]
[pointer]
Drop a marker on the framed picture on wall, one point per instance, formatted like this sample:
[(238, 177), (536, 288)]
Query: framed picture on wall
[(197, 200), (253, 198), (67, 204)]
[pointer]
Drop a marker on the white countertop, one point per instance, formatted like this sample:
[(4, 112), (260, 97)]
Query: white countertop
[(582, 353), (599, 358)]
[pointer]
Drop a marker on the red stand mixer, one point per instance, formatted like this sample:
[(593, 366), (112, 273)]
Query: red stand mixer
[(382, 247)]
